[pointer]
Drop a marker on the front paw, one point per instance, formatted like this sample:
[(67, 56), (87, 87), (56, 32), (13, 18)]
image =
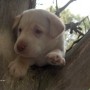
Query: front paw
[(55, 58), (17, 69)]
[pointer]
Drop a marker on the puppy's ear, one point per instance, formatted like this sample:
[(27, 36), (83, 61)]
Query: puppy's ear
[(15, 25), (56, 26), (16, 21)]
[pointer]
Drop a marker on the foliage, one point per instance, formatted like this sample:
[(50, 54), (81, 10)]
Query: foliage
[(51, 9), (68, 17)]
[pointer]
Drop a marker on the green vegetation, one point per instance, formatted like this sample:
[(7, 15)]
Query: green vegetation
[(68, 17)]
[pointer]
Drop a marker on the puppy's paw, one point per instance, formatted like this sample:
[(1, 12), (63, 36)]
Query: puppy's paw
[(55, 58), (17, 69)]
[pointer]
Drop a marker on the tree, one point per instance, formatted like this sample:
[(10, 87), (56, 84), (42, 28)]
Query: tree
[(8, 10), (74, 76), (76, 25), (59, 10)]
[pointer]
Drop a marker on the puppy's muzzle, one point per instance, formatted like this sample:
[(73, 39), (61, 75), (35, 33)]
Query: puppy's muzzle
[(21, 46)]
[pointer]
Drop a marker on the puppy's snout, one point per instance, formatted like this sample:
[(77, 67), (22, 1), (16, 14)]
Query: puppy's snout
[(21, 46)]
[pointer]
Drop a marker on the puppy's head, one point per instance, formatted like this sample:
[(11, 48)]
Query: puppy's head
[(36, 30)]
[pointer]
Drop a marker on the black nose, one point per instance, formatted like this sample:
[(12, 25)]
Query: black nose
[(21, 46)]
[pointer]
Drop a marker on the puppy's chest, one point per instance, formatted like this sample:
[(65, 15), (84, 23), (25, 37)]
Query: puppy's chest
[(41, 61)]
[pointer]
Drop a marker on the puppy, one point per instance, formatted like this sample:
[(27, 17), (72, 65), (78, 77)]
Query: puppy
[(39, 40)]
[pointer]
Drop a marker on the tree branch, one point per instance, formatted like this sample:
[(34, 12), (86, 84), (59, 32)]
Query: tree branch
[(59, 10)]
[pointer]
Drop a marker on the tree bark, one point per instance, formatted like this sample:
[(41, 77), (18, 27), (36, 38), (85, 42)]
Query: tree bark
[(8, 10), (74, 76)]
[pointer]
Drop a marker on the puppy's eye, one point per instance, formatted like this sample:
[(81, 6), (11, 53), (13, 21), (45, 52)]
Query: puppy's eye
[(38, 32), (19, 30)]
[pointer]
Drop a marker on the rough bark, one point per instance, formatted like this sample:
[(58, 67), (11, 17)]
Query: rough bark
[(8, 10), (74, 76)]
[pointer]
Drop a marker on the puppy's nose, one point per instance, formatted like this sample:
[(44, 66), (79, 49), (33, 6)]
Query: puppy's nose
[(21, 46)]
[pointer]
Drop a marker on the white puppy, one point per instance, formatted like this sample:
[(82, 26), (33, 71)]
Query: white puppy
[(39, 41)]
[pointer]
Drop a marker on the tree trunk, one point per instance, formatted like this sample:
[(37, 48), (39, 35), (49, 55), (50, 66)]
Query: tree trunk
[(74, 76), (8, 10)]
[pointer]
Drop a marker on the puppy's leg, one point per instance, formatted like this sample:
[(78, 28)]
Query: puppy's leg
[(56, 57), (18, 68)]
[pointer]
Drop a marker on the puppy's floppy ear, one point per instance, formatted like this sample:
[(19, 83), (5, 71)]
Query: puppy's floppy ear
[(56, 26), (16, 21), (15, 25)]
